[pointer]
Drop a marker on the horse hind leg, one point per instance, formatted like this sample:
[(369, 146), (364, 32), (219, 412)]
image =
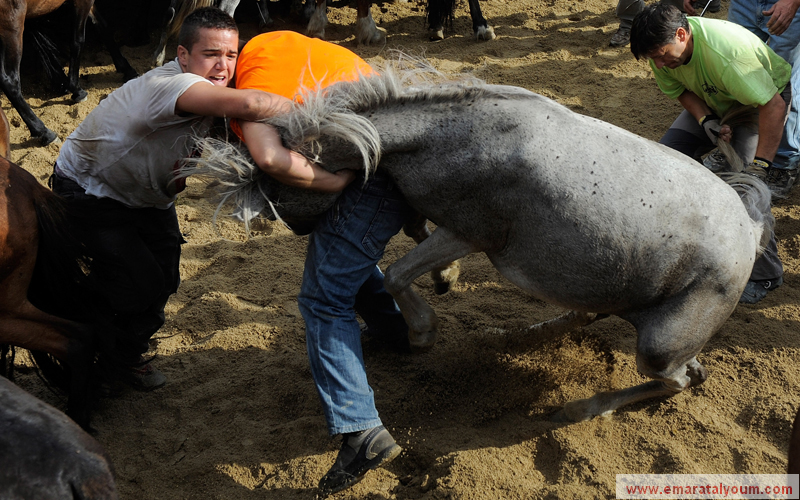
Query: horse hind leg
[(367, 32), (443, 277), (669, 340), (318, 21), (480, 28), (436, 251)]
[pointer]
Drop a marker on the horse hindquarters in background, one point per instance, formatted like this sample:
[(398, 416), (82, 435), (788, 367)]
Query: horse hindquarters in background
[(12, 21), (45, 455), (367, 33), (442, 12), (40, 259)]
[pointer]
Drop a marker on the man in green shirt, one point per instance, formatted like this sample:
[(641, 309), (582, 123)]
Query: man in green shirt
[(712, 66)]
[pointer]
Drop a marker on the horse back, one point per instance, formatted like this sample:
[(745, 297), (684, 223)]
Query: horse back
[(517, 174)]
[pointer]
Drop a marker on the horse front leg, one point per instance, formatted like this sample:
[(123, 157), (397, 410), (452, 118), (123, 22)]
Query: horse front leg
[(318, 22), (670, 336), (436, 251), (168, 19), (367, 32), (11, 87), (82, 8), (264, 20), (443, 277), (480, 28), (107, 36)]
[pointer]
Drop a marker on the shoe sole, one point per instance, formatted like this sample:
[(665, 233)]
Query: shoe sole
[(382, 459)]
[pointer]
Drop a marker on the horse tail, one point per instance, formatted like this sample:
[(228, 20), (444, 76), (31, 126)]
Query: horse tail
[(441, 12), (186, 8), (757, 200)]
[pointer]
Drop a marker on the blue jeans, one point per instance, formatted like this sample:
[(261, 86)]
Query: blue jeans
[(341, 277), (748, 13)]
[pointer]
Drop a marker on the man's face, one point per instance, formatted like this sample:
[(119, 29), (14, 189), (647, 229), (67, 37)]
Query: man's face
[(674, 54), (213, 56)]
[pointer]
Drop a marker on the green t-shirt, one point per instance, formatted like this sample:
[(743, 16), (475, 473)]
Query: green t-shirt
[(729, 65)]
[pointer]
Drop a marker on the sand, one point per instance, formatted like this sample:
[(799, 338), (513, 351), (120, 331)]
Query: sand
[(239, 417)]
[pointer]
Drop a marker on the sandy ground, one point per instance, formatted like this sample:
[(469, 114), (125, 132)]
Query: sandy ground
[(239, 417)]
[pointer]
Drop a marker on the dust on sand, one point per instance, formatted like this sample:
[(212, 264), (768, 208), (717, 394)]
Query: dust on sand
[(239, 417)]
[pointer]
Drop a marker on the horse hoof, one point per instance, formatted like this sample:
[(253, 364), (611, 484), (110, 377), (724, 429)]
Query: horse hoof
[(79, 96), (485, 33), (129, 74), (421, 341), (48, 137), (438, 35), (441, 288)]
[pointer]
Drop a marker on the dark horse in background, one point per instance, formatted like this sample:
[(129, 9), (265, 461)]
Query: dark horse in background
[(440, 14), (13, 16), (45, 455), (43, 268)]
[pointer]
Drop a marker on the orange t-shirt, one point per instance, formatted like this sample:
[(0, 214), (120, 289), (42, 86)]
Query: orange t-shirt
[(288, 63)]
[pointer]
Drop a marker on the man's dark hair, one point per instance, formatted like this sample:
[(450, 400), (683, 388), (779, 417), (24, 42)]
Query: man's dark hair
[(205, 17), (654, 27)]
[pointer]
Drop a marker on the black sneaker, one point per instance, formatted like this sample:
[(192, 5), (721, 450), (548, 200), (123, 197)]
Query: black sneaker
[(754, 291), (780, 181), (143, 375), (360, 453), (621, 38)]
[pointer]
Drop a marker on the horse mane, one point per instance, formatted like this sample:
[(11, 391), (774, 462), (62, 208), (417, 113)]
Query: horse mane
[(338, 110), (335, 112)]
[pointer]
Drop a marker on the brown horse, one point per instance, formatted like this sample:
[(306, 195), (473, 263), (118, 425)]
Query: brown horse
[(41, 263), (12, 24)]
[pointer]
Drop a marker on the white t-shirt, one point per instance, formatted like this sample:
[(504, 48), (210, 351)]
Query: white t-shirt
[(129, 146)]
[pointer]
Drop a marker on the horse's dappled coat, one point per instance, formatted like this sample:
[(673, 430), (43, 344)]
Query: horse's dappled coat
[(580, 213)]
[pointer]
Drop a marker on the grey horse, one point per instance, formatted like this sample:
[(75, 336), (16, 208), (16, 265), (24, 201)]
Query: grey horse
[(578, 212)]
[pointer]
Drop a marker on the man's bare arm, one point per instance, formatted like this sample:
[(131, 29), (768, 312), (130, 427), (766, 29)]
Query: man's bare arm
[(286, 166), (246, 104)]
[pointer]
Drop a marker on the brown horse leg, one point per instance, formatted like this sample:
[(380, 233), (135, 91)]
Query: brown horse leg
[(70, 342), (443, 277), (5, 137), (82, 8), (11, 26), (367, 32)]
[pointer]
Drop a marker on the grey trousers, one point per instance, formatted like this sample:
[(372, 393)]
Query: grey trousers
[(627, 10), (687, 136)]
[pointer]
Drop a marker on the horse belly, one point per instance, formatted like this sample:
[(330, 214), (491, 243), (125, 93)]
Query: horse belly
[(629, 244)]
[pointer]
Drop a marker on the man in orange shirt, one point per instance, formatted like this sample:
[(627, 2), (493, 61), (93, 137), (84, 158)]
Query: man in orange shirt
[(341, 275)]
